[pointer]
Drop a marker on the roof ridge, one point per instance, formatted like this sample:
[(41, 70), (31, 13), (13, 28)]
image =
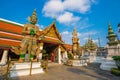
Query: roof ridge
[(5, 20)]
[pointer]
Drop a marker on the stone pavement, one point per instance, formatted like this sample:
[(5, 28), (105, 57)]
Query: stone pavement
[(63, 72)]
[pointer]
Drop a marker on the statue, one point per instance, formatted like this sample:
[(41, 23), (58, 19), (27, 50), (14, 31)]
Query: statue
[(29, 42), (75, 46)]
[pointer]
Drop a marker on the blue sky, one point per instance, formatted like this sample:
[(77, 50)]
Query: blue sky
[(90, 17)]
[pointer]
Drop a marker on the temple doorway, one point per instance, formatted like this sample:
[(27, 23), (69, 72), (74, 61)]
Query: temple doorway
[(51, 51)]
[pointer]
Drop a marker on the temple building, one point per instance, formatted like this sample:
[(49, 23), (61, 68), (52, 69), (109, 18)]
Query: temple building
[(49, 40)]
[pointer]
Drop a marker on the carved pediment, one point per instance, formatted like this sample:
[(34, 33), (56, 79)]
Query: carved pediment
[(52, 33)]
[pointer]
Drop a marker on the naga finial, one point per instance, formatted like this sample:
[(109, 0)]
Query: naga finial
[(33, 19)]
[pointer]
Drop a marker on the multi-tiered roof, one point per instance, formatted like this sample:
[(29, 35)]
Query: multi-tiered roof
[(11, 34), (112, 37), (90, 45)]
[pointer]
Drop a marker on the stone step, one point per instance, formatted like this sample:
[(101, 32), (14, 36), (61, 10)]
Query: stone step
[(107, 67), (21, 69), (79, 63), (23, 72), (108, 64), (25, 65)]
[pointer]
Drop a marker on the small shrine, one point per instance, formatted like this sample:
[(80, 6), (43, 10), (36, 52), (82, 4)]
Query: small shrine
[(90, 50), (90, 46), (112, 50)]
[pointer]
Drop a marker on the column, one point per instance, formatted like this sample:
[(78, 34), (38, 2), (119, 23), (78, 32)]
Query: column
[(41, 48), (59, 55), (4, 57), (66, 56)]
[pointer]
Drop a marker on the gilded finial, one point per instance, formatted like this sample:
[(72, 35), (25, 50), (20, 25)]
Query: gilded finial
[(33, 19)]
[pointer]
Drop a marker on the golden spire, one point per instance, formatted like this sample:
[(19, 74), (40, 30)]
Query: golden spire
[(33, 19), (74, 32)]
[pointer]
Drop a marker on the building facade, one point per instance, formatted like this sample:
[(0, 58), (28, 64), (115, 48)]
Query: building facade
[(49, 40)]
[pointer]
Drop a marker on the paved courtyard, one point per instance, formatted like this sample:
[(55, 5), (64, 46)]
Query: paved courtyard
[(62, 72)]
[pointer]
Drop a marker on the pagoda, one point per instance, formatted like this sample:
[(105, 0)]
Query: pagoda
[(112, 41), (90, 46), (112, 50), (90, 49)]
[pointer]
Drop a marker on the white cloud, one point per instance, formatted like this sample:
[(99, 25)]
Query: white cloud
[(95, 40), (52, 8), (67, 18), (79, 34), (65, 33), (81, 6), (64, 10)]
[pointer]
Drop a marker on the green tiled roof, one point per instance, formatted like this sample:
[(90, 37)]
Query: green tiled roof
[(111, 36)]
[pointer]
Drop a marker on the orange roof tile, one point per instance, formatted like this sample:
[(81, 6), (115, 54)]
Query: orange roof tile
[(8, 27), (8, 42), (10, 35), (68, 46)]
